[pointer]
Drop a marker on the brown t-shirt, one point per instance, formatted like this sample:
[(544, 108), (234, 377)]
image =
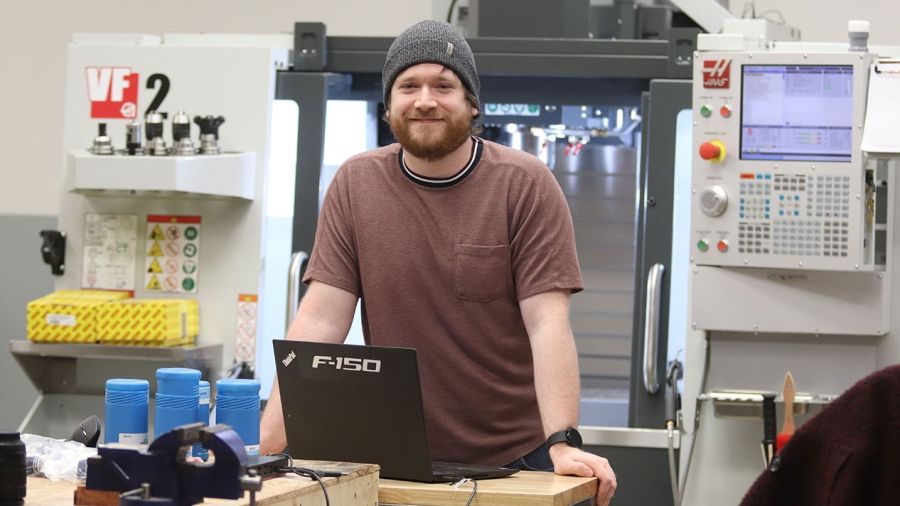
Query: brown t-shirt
[(440, 266)]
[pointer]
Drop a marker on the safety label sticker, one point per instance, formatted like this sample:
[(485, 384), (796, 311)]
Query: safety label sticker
[(110, 255), (172, 260), (245, 342)]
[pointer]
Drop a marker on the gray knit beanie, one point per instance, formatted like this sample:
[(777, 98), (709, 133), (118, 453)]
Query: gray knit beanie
[(431, 42)]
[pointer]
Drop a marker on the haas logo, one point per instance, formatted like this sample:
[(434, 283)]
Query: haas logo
[(717, 73), (113, 92)]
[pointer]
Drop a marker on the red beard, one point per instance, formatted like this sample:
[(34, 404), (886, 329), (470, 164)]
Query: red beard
[(432, 142)]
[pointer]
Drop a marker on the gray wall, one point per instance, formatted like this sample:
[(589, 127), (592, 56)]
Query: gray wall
[(23, 277)]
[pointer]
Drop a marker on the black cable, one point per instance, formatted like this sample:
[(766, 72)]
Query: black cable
[(474, 489), (309, 473)]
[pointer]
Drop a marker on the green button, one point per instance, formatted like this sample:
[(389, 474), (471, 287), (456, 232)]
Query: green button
[(706, 112), (702, 245)]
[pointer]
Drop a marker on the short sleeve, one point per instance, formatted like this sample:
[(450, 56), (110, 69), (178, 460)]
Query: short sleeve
[(334, 259), (542, 240)]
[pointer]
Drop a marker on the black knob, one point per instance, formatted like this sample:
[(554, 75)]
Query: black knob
[(209, 124)]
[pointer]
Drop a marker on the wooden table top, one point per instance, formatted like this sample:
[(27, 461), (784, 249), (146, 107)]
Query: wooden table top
[(358, 486), (524, 488)]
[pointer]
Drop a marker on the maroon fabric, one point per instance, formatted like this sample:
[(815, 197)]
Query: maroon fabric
[(442, 270), (846, 455)]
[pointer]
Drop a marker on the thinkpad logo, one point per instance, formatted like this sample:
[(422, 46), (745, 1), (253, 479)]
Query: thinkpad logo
[(288, 359), (717, 73)]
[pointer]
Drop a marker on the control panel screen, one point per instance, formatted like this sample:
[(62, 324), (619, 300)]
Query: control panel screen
[(797, 112)]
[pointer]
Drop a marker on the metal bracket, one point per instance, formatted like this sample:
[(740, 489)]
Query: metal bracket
[(53, 250)]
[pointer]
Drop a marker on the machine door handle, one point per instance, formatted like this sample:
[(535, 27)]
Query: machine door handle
[(651, 326), (298, 262)]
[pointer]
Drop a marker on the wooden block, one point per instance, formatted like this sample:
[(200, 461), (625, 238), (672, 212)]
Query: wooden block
[(525, 488), (359, 487), (87, 497)]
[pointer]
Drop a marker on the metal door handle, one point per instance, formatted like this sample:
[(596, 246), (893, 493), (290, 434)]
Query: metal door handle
[(651, 326), (298, 260)]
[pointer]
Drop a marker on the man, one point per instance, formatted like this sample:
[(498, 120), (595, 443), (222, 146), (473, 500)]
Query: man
[(464, 250)]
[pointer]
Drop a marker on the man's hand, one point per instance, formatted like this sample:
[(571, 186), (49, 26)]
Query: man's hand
[(572, 461)]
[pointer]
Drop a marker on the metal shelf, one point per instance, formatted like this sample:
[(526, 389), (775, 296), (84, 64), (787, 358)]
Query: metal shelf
[(748, 403), (225, 175), (84, 368)]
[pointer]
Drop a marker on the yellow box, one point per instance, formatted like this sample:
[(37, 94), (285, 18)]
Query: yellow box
[(67, 316), (148, 322)]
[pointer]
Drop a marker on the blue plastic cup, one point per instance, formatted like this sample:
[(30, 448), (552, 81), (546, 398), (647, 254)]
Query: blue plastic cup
[(177, 398), (237, 405), (126, 411)]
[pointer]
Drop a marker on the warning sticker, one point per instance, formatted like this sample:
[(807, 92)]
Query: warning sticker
[(245, 340), (110, 242), (153, 284), (173, 253)]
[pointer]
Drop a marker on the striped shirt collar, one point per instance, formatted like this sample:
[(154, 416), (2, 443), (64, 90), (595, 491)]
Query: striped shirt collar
[(444, 182)]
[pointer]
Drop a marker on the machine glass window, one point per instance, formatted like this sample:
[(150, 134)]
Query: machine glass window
[(797, 112)]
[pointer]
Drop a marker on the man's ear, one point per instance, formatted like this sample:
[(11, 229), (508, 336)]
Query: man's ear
[(474, 112)]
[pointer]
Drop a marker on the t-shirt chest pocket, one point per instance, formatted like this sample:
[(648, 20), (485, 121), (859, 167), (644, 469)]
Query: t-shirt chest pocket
[(480, 273)]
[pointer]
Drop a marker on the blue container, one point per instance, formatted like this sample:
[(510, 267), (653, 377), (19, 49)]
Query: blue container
[(177, 398), (126, 411), (237, 405), (203, 417)]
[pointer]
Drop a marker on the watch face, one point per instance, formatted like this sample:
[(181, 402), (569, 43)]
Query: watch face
[(574, 438)]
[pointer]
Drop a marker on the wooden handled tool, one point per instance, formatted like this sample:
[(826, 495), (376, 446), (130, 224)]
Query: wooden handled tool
[(787, 428)]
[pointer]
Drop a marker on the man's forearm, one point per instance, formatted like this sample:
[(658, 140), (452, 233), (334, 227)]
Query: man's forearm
[(271, 426), (325, 315), (556, 380), (556, 377)]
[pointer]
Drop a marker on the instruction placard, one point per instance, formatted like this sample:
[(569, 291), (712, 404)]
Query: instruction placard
[(110, 242), (172, 261)]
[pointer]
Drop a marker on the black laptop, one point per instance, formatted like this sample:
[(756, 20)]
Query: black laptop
[(353, 403)]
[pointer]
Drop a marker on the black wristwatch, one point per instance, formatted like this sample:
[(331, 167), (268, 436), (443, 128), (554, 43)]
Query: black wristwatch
[(569, 436)]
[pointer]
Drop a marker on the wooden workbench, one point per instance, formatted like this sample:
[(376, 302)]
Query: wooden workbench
[(361, 487), (358, 488), (525, 488)]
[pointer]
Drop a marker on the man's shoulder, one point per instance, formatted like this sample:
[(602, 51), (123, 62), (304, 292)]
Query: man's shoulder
[(378, 157), (513, 159)]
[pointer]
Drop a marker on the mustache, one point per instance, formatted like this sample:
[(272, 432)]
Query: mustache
[(424, 116)]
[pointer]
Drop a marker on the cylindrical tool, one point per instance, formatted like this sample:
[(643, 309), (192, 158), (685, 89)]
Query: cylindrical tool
[(102, 143), (156, 145), (203, 417), (181, 134), (126, 411), (134, 138), (209, 133), (177, 398), (768, 442), (12, 469), (237, 405)]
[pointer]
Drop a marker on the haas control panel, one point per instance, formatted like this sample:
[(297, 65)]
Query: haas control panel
[(778, 178)]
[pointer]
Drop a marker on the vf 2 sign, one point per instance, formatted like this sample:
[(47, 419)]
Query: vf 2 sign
[(113, 92)]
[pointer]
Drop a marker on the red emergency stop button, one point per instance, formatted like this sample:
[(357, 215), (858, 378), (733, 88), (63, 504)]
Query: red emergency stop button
[(722, 246), (713, 151)]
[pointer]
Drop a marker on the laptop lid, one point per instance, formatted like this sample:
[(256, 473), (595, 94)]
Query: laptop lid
[(354, 404), (361, 404)]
